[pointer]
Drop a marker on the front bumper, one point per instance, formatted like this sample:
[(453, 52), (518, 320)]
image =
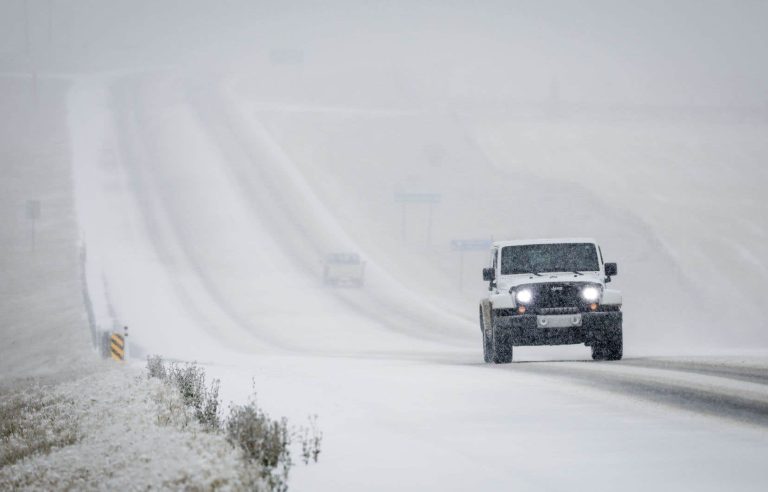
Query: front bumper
[(595, 328)]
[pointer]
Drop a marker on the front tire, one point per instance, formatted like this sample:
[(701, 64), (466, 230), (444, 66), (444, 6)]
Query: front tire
[(487, 349), (610, 350), (487, 342), (502, 347)]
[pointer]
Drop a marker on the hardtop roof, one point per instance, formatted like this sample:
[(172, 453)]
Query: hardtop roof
[(558, 240)]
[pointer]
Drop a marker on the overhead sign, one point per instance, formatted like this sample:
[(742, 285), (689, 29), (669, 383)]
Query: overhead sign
[(471, 244), (417, 197), (286, 56)]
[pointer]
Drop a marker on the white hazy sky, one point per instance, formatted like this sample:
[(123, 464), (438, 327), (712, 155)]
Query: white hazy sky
[(679, 52)]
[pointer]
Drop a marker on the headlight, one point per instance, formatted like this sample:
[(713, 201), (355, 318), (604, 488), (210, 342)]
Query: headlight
[(590, 294), (524, 296)]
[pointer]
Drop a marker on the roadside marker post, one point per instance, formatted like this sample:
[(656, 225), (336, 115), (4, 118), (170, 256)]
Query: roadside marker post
[(33, 212), (417, 198), (117, 346), (464, 245)]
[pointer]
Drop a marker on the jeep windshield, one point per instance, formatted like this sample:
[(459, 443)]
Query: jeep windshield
[(538, 258)]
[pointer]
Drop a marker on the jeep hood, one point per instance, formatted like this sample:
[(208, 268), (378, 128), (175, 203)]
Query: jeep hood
[(505, 282)]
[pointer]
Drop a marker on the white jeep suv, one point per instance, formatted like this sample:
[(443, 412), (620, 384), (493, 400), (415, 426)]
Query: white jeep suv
[(550, 292)]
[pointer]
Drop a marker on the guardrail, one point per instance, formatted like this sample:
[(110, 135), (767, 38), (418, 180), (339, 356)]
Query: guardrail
[(110, 344)]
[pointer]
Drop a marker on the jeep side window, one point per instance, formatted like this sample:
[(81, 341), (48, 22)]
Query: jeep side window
[(495, 265)]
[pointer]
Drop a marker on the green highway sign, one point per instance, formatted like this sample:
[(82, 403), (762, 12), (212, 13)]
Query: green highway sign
[(417, 197)]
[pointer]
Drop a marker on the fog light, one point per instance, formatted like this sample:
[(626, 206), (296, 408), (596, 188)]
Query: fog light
[(521, 310), (593, 307)]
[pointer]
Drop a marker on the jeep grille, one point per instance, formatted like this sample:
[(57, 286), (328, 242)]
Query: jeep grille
[(557, 295)]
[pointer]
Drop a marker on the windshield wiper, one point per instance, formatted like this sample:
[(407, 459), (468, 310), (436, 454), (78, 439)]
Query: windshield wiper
[(535, 273), (576, 272)]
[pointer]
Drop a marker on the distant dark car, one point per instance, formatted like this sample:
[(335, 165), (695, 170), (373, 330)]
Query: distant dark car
[(343, 269)]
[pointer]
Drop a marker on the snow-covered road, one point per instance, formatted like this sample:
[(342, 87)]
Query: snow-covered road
[(205, 236), (432, 424)]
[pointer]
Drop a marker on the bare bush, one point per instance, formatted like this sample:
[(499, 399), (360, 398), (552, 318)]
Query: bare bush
[(264, 441), (189, 380), (34, 422), (156, 367), (171, 409), (310, 438), (267, 442)]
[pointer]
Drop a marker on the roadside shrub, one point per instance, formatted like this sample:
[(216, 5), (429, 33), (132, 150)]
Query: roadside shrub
[(263, 441), (267, 442), (310, 438), (156, 367), (189, 380)]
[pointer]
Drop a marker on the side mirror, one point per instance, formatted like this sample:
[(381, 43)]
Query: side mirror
[(488, 274), (611, 269)]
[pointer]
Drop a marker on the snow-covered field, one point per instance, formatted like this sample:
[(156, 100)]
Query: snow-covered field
[(194, 206)]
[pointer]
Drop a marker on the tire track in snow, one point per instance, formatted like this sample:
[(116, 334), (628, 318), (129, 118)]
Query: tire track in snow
[(701, 392), (746, 373)]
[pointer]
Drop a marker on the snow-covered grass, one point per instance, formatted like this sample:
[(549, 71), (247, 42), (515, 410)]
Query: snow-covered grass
[(134, 432), (122, 428), (32, 422)]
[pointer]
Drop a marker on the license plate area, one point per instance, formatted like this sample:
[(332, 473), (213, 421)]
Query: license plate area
[(558, 321)]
